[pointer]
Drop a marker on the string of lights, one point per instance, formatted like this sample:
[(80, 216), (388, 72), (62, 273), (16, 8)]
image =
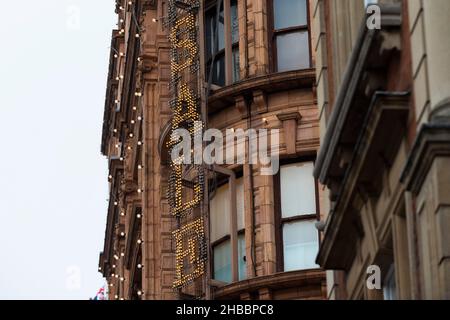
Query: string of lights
[(189, 236)]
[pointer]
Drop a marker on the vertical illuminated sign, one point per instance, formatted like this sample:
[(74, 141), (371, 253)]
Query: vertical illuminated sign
[(185, 201)]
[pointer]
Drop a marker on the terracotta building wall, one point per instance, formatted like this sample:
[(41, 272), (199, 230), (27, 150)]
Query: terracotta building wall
[(262, 99)]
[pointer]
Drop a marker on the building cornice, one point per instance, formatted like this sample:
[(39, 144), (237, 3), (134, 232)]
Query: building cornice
[(432, 141), (283, 280), (370, 50), (274, 82)]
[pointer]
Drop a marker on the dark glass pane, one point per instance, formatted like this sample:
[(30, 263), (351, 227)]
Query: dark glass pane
[(221, 38), (234, 22), (209, 30), (289, 13), (235, 62), (218, 77), (292, 51)]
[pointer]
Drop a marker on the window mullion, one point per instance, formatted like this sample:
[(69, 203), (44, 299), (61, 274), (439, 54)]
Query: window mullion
[(233, 231), (228, 42)]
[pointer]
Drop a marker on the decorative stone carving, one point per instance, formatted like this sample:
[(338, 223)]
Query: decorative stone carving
[(242, 106), (290, 122), (260, 101)]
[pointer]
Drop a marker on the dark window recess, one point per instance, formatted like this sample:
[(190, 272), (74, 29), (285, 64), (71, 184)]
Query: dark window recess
[(216, 42)]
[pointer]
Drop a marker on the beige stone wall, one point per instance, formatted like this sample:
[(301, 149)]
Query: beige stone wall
[(430, 50), (399, 226)]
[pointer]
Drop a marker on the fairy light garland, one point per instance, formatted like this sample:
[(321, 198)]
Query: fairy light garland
[(190, 242)]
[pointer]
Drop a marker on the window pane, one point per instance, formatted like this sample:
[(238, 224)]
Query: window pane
[(240, 203), (218, 77), (292, 51), (220, 210), (389, 286), (235, 62), (221, 37), (289, 13), (298, 190), (234, 22), (242, 264), (222, 262), (210, 30), (300, 245), (219, 213)]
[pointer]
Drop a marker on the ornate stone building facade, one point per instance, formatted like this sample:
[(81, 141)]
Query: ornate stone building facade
[(383, 97), (257, 60)]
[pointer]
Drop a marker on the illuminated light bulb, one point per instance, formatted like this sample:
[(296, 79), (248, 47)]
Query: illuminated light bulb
[(117, 101), (117, 78), (139, 266), (139, 143), (110, 176), (122, 299), (138, 216), (264, 120), (111, 284), (113, 275), (140, 118), (116, 56), (122, 254), (140, 167), (121, 8), (113, 265), (122, 214), (139, 191), (129, 148), (121, 158), (115, 130), (116, 203), (121, 20), (117, 146), (131, 135), (139, 293), (121, 54), (138, 94), (122, 279), (137, 35), (122, 234), (139, 59), (117, 276), (116, 257), (134, 108), (154, 20), (121, 76), (139, 241), (99, 268), (116, 296), (133, 122)]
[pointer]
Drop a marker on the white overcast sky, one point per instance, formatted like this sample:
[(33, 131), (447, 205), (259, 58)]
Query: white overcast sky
[(53, 181)]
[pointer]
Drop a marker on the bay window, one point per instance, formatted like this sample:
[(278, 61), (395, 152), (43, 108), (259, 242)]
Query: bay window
[(220, 229), (290, 35), (298, 238)]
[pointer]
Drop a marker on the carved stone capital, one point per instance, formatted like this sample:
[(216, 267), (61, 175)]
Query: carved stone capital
[(260, 101), (242, 106), (290, 123)]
